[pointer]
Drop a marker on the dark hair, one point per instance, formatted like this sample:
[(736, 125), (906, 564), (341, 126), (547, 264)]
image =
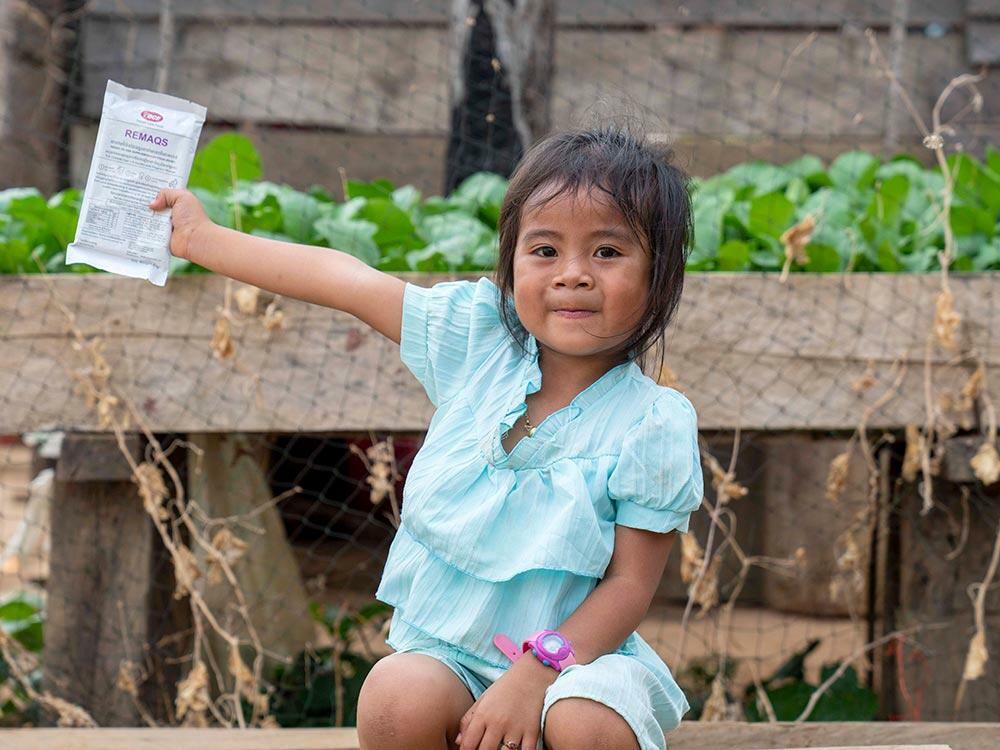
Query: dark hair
[(640, 180)]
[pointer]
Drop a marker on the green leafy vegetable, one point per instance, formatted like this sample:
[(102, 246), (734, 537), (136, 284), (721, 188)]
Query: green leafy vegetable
[(224, 160), (868, 215)]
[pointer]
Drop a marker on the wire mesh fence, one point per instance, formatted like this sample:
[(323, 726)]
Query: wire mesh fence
[(199, 483)]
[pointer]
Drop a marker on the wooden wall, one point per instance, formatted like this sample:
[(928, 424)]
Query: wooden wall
[(364, 86)]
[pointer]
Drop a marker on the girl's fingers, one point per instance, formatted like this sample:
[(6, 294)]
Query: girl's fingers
[(471, 736), (463, 724), (164, 199), (492, 739)]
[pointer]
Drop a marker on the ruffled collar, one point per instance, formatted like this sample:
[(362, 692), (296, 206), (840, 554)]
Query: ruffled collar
[(531, 382), (590, 394)]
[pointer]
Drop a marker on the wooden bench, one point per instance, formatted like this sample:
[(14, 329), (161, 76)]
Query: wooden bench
[(690, 736)]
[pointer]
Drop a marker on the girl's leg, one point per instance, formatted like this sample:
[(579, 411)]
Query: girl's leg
[(615, 701), (582, 723), (411, 700)]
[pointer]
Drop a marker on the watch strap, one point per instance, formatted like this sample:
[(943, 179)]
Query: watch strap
[(507, 646), (566, 661)]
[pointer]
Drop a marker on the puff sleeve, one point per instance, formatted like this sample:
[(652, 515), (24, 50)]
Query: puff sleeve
[(447, 331), (658, 479)]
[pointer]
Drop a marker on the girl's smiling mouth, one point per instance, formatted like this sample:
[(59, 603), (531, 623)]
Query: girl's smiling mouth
[(575, 313)]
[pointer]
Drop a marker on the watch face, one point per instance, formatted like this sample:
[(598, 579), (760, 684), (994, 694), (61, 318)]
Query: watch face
[(554, 645)]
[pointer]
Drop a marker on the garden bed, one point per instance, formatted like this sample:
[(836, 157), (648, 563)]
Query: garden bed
[(748, 350)]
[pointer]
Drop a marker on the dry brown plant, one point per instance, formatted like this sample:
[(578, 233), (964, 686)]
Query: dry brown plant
[(21, 663), (977, 655), (946, 328), (380, 463), (794, 239), (836, 478), (173, 516)]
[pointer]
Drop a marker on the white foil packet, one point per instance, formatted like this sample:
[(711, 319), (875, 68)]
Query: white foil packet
[(145, 141)]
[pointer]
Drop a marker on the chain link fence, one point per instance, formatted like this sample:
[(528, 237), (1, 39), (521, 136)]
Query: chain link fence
[(199, 484)]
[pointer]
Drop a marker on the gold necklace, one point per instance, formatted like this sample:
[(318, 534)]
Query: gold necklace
[(528, 426)]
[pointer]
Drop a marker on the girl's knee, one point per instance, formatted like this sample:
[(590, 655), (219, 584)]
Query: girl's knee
[(408, 700), (578, 723)]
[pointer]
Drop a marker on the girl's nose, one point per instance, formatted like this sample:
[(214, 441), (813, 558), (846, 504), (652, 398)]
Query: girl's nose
[(573, 264), (575, 274)]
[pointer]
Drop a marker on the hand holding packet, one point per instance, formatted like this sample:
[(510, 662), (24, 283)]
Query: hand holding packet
[(145, 141)]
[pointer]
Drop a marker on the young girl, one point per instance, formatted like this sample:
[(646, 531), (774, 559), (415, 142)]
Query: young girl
[(539, 512)]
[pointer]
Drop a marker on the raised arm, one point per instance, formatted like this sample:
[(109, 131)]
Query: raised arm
[(319, 275)]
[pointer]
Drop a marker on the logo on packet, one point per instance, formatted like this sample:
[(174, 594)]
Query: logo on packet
[(148, 114)]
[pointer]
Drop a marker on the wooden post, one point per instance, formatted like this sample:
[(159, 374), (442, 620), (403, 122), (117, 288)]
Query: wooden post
[(797, 514), (501, 82), (884, 587), (31, 95), (100, 577), (940, 555), (895, 112), (230, 481), (750, 528)]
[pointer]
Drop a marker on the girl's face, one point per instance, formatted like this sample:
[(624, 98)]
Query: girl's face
[(578, 252)]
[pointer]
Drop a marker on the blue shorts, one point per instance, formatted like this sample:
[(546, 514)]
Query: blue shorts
[(623, 683)]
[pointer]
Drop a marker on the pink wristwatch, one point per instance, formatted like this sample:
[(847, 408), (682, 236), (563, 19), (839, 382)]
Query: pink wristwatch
[(550, 647)]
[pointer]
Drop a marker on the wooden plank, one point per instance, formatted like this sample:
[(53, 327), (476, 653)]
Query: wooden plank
[(982, 9), (750, 530), (716, 81), (97, 458), (273, 73), (960, 450), (753, 14), (796, 514), (747, 350), (229, 480), (882, 747), (811, 336), (312, 11), (786, 735), (31, 99), (707, 155), (988, 125), (690, 735), (940, 556), (99, 588), (933, 584), (885, 581), (982, 39), (289, 156), (709, 81), (172, 739), (584, 12)]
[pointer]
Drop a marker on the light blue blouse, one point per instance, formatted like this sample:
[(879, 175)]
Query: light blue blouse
[(495, 542)]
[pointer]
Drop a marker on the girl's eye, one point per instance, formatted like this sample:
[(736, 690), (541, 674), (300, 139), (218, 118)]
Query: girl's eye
[(607, 247)]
